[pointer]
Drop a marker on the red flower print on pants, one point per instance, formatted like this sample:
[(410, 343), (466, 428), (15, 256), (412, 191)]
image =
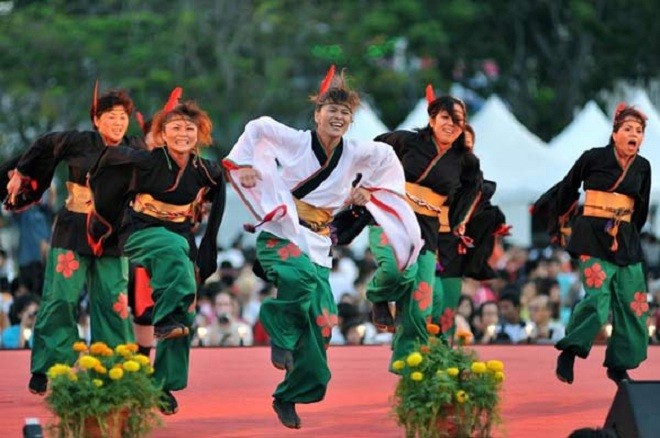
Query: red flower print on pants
[(639, 305), (447, 320), (272, 243), (384, 241), (594, 275), (326, 321), (291, 250), (67, 264), (121, 306), (584, 258), (423, 295)]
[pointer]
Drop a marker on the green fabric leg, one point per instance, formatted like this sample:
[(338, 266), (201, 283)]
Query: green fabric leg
[(610, 287), (107, 278), (165, 256), (299, 318), (56, 327), (446, 293)]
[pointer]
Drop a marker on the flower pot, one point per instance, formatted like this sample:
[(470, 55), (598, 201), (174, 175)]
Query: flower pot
[(114, 424)]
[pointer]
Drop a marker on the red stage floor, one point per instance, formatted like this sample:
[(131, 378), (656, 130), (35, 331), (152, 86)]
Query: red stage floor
[(229, 395)]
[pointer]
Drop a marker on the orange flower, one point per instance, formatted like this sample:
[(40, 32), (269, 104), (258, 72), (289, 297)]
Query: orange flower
[(463, 336), (433, 329), (424, 349), (639, 305), (423, 295), (594, 275), (326, 321), (67, 264)]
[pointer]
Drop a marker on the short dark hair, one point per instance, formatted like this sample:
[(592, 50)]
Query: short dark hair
[(109, 100)]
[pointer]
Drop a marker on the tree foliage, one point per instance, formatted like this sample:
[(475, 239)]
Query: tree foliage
[(248, 58)]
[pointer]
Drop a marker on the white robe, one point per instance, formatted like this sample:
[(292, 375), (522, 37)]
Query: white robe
[(265, 140)]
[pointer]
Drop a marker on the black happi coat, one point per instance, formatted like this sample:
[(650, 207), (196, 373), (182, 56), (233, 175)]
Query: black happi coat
[(598, 169), (157, 174), (453, 173), (79, 150)]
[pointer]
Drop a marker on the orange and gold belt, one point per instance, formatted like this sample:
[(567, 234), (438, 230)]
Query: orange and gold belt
[(426, 202), (146, 204), (315, 218), (79, 199), (609, 205)]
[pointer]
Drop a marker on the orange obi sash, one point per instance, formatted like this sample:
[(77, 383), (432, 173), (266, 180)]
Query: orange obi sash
[(609, 205), (315, 218), (426, 202), (146, 204), (79, 199)]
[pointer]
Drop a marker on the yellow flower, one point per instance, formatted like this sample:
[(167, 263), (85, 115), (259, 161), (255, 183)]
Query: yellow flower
[(72, 376), (461, 396), (149, 369), (116, 373), (100, 369), (80, 347), (478, 367), (131, 366), (141, 359), (495, 365), (398, 365), (57, 370), (88, 362), (453, 371), (414, 359), (123, 350), (97, 382), (499, 376), (98, 348), (417, 376)]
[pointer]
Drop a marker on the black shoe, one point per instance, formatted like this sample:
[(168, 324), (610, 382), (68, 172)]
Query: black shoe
[(38, 384), (565, 363), (169, 328), (381, 315), (286, 412), (618, 376), (169, 405), (282, 359)]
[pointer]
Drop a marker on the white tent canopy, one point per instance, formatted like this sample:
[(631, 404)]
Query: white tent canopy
[(651, 146), (589, 129), (418, 117), (366, 124)]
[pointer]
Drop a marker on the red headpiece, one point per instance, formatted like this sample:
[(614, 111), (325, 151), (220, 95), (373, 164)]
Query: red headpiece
[(620, 107), (325, 85), (95, 98), (430, 94), (173, 100)]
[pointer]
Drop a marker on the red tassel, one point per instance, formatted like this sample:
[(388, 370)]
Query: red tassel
[(275, 214), (503, 230), (325, 85), (140, 119), (620, 107), (430, 94), (95, 97), (173, 100)]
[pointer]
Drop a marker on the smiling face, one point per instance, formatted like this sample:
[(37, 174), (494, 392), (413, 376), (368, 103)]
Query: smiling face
[(445, 129), (332, 122), (180, 136), (628, 137), (112, 125)]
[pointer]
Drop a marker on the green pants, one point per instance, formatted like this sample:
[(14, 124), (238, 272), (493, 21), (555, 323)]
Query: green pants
[(622, 290), (165, 256), (411, 289), (56, 329), (446, 293), (300, 318)]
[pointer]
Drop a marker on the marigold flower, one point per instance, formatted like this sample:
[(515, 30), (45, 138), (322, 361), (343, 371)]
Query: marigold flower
[(72, 376), (464, 337), (123, 350), (97, 382), (461, 396), (398, 365), (132, 347), (98, 348), (80, 347), (433, 329), (141, 359), (452, 371), (100, 369), (149, 369), (131, 366), (116, 373), (424, 349), (478, 367), (417, 376), (414, 359), (57, 370), (495, 365), (499, 376), (88, 362)]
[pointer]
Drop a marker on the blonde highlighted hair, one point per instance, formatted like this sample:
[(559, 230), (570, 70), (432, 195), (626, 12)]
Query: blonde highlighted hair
[(187, 110)]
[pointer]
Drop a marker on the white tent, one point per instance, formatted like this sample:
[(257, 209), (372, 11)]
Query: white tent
[(366, 124), (418, 117), (651, 146), (589, 129), (521, 164)]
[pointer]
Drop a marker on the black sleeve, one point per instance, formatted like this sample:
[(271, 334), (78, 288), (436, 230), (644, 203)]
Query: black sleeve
[(207, 254), (641, 211)]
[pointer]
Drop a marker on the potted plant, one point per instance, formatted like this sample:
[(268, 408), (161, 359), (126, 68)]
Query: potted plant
[(447, 392), (107, 393)]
